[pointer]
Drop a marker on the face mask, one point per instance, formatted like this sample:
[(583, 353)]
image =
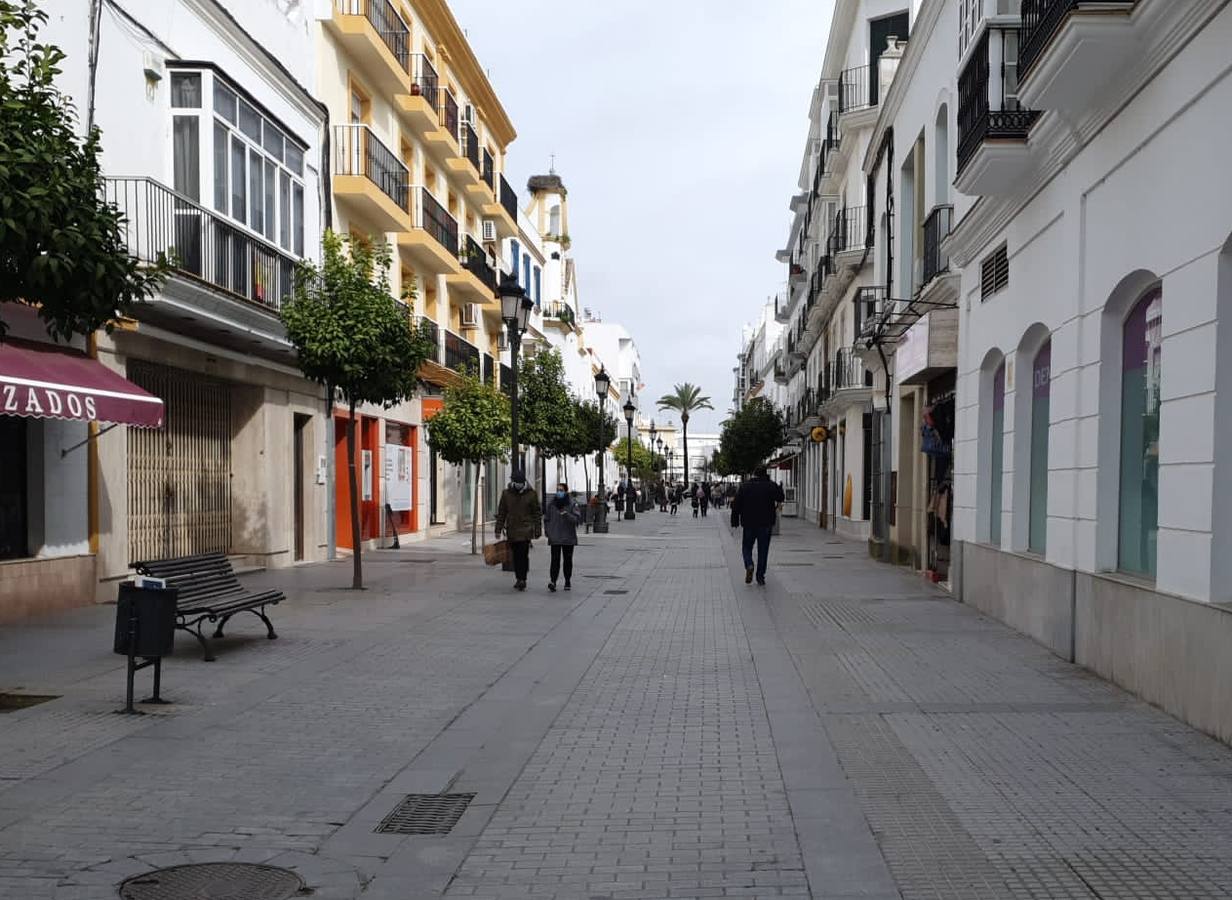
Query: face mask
[(560, 495)]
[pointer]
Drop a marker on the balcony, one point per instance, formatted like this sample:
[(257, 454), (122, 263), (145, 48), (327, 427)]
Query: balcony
[(432, 332), (476, 282), (466, 165), (850, 237), (370, 180), (993, 126), (1074, 52), (419, 104), (229, 284), (850, 382), (870, 307), (461, 355), (432, 240), (443, 142), (378, 39), (503, 208), (559, 313), (857, 90)]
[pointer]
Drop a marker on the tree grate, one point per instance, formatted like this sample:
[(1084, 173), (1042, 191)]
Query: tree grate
[(218, 881), (425, 814)]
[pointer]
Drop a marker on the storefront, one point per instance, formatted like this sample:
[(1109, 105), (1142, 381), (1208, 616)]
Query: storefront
[(53, 399)]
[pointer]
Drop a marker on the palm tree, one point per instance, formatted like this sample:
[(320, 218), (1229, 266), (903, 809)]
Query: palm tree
[(684, 399)]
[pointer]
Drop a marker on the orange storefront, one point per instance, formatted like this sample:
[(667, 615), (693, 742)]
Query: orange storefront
[(376, 449)]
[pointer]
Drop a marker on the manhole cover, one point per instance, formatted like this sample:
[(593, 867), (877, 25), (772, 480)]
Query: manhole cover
[(215, 881), (13, 702), (425, 814)]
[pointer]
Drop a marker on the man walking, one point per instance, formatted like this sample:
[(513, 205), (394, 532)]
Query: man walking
[(560, 523), (519, 517), (755, 508)]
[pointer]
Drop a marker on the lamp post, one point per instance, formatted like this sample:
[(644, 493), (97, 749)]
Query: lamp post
[(515, 310), (650, 505), (663, 477), (603, 383), (670, 455), (630, 409)]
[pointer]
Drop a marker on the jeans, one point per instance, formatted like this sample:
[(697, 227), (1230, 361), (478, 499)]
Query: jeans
[(559, 550), (521, 559), (762, 537)]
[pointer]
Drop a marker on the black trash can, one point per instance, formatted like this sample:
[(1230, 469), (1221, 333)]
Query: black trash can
[(154, 630)]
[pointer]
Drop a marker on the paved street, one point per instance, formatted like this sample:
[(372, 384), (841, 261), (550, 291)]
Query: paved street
[(661, 731)]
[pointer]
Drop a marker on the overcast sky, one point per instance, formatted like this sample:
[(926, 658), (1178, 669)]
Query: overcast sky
[(678, 127)]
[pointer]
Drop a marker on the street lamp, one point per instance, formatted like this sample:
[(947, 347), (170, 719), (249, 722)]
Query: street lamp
[(603, 384), (630, 409), (515, 310), (646, 506)]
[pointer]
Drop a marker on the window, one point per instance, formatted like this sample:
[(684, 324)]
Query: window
[(186, 156), (970, 12), (526, 271), (538, 285), (239, 181), (186, 90), (997, 470), (994, 273), (515, 253), (554, 221), (1139, 484), (1041, 395), (220, 167)]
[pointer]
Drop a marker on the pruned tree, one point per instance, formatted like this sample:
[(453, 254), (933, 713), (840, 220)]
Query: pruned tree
[(752, 433), (62, 246), (643, 459), (545, 410), (472, 427), (594, 432), (353, 337)]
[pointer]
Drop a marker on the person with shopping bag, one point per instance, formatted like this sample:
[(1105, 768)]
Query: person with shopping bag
[(560, 522), (519, 518)]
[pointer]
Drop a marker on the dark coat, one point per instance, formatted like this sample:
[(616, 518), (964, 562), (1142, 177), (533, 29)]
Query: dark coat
[(755, 504), (519, 515), (560, 522)]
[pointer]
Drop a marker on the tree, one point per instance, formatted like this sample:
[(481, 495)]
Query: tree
[(545, 409), (643, 460), (684, 399), (472, 427), (62, 247), (593, 432), (353, 337), (752, 433)]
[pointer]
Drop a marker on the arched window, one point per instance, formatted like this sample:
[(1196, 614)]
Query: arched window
[(554, 221), (997, 470), (1041, 395), (1138, 524), (941, 157)]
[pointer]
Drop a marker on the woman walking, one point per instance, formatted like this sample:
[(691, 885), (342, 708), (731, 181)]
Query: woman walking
[(518, 517), (560, 523), (675, 496)]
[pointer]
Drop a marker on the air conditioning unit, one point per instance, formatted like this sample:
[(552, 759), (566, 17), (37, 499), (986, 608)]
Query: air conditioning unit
[(489, 231), (470, 315)]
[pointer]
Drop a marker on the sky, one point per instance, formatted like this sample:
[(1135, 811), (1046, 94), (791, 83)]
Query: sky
[(678, 127)]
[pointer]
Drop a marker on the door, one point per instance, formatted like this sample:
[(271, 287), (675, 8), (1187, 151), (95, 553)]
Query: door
[(433, 491), (13, 522), (299, 454), (879, 33)]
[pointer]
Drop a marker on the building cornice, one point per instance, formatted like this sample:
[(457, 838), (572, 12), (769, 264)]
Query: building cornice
[(1062, 140), (840, 34), (457, 49), (921, 31)]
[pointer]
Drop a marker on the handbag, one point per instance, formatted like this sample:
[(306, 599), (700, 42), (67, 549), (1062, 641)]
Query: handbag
[(496, 554)]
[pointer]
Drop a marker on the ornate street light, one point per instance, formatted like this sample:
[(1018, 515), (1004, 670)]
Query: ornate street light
[(515, 310), (630, 409), (603, 384)]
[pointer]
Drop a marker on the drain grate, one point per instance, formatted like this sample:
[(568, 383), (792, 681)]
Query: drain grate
[(615, 592), (425, 814), (14, 702), (605, 577), (218, 881)]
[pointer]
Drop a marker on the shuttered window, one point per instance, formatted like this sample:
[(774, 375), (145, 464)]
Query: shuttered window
[(994, 273)]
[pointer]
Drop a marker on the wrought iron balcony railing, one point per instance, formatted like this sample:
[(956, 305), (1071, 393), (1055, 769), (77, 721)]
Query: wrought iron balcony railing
[(850, 232), (936, 229), (436, 220), (558, 310), (200, 244), (360, 152), (856, 90), (488, 173), (1042, 19), (461, 355), (447, 112), (870, 304), (978, 121), (849, 372), (424, 80), (470, 145), (387, 23), (432, 332), (489, 369), (476, 262), (508, 199)]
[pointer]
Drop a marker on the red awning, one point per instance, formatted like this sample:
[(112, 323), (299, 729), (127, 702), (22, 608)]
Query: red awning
[(44, 381)]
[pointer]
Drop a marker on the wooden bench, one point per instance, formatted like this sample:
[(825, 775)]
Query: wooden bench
[(209, 591)]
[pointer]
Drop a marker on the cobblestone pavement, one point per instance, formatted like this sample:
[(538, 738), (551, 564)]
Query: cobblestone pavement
[(661, 731)]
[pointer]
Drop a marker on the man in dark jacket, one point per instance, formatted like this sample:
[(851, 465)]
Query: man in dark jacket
[(520, 517), (755, 509)]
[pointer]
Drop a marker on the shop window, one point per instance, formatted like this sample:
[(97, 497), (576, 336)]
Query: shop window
[(1138, 523), (997, 469), (1041, 396)]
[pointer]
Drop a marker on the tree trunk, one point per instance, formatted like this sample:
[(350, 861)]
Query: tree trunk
[(684, 422), (357, 574), (475, 517)]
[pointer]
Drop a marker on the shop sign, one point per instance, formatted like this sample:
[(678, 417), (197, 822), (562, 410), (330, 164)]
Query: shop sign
[(398, 477), (911, 357)]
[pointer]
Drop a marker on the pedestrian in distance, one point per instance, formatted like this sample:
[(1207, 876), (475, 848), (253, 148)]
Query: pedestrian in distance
[(519, 518), (695, 493), (675, 498), (705, 498), (755, 509), (560, 522)]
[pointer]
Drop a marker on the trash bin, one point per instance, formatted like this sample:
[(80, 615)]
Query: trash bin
[(154, 629)]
